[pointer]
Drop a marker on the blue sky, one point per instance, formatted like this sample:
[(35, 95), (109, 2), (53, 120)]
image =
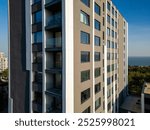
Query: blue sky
[(137, 14), (3, 26)]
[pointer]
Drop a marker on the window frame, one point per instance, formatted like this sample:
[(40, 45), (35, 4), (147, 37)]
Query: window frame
[(85, 19)]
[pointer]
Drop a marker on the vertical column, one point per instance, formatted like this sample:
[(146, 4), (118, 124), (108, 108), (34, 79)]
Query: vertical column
[(44, 57), (68, 56), (29, 59), (142, 103), (105, 59), (114, 81), (93, 52)]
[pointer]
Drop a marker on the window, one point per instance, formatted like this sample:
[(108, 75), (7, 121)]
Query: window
[(108, 81), (84, 18), (97, 88), (116, 14), (97, 56), (108, 43), (35, 1), (108, 56), (113, 67), (108, 93), (113, 33), (97, 103), (108, 31), (108, 69), (113, 11), (116, 76), (37, 17), (58, 81), (85, 38), (116, 87), (113, 45), (109, 106), (124, 24), (37, 37), (112, 56), (116, 56), (37, 57), (85, 95), (88, 110), (85, 56), (85, 75), (116, 46), (116, 35), (97, 72), (113, 23), (38, 77), (108, 18), (108, 6), (97, 41), (97, 25), (86, 2), (97, 9)]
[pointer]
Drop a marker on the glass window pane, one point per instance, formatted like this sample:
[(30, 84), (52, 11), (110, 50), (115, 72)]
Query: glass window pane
[(85, 38), (84, 18), (97, 9), (86, 2), (37, 37)]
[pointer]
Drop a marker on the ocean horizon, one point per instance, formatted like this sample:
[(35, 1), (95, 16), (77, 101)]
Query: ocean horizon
[(139, 61)]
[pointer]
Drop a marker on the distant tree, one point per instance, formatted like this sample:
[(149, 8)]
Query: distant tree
[(136, 78), (5, 73)]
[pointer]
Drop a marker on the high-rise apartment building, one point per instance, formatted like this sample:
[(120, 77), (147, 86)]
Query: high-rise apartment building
[(67, 56), (3, 62)]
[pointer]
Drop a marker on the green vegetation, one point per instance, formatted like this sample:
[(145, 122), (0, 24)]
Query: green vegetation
[(4, 74), (137, 76)]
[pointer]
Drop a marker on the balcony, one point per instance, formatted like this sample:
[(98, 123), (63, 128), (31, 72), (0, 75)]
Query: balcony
[(56, 92), (37, 27), (53, 109), (54, 70), (54, 44), (36, 6), (37, 47), (37, 67), (37, 107), (53, 5), (54, 22), (37, 87)]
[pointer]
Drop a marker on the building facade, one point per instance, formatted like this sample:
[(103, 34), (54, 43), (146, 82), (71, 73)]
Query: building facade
[(75, 56), (3, 62), (145, 98)]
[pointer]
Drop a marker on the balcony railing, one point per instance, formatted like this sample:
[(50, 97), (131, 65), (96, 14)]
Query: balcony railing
[(37, 87), (56, 92), (54, 42), (54, 21), (51, 2), (53, 109), (37, 107), (37, 67)]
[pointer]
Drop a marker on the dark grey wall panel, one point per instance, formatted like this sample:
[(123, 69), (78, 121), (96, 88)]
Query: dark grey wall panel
[(19, 76)]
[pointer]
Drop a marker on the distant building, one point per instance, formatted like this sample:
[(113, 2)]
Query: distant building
[(145, 98), (132, 104), (3, 62)]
